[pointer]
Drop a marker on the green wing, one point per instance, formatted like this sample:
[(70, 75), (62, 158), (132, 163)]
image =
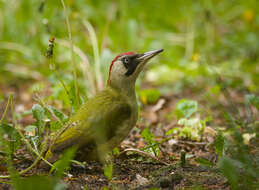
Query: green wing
[(96, 122)]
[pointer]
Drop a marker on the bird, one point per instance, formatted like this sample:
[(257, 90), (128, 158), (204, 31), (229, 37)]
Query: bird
[(106, 119)]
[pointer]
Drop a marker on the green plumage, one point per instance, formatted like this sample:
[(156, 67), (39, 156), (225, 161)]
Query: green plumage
[(102, 122)]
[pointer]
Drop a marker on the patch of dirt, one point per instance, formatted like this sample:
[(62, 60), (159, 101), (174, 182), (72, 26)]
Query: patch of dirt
[(134, 171)]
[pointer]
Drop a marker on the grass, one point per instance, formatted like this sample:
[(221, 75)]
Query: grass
[(209, 47), (72, 54)]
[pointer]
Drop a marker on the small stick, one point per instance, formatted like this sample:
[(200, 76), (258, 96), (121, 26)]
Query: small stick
[(192, 143)]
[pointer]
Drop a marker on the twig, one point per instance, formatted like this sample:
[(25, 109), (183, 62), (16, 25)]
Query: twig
[(72, 53), (192, 143), (6, 108), (144, 154)]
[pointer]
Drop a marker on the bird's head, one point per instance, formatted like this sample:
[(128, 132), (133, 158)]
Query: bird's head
[(126, 67)]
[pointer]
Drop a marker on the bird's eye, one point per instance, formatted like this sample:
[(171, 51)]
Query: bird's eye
[(126, 60)]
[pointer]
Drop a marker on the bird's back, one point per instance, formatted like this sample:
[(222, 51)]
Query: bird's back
[(99, 121)]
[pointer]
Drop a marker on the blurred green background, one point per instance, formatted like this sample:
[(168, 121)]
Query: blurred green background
[(211, 55), (202, 40)]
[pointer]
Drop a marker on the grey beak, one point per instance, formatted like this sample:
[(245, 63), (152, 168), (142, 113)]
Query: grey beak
[(148, 55)]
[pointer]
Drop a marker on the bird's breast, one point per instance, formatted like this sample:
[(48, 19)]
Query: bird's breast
[(124, 129)]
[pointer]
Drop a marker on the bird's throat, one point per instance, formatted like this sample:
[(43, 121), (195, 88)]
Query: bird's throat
[(125, 90)]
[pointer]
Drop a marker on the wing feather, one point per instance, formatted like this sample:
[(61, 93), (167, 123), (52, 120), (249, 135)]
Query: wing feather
[(96, 121)]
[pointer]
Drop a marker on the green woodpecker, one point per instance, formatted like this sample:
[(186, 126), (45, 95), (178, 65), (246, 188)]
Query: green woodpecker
[(105, 120)]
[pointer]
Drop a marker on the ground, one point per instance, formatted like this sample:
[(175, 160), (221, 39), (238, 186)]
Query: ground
[(131, 170)]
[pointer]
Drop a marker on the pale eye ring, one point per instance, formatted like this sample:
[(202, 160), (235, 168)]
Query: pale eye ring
[(126, 60)]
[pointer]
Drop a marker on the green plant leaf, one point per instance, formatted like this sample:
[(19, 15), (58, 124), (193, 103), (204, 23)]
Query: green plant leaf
[(115, 151), (253, 99), (39, 183), (55, 125), (197, 187), (149, 138), (229, 170), (38, 113), (204, 162), (63, 164), (63, 117), (220, 145), (73, 99), (173, 130), (108, 170), (193, 128), (82, 164), (185, 108), (149, 95), (30, 128), (12, 136)]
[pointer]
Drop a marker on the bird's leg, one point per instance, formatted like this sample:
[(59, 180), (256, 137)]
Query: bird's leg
[(104, 149)]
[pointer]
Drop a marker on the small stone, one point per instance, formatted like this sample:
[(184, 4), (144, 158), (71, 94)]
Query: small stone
[(141, 180), (172, 142), (20, 108)]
